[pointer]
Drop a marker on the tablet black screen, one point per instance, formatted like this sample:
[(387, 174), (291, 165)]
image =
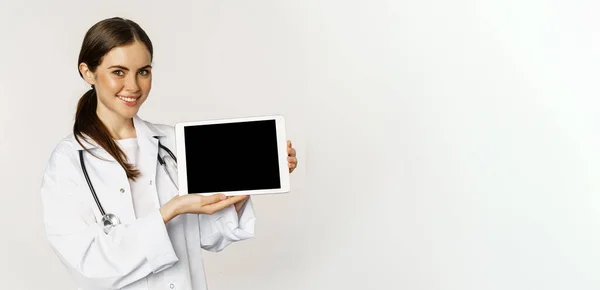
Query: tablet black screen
[(232, 157)]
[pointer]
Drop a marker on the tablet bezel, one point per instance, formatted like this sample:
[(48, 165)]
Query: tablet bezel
[(284, 176)]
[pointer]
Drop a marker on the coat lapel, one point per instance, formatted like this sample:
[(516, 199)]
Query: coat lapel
[(146, 135), (148, 146)]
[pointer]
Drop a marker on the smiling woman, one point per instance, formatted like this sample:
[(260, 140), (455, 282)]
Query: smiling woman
[(117, 64), (150, 237), (122, 77)]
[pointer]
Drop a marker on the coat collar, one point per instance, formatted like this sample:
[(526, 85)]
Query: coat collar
[(143, 130)]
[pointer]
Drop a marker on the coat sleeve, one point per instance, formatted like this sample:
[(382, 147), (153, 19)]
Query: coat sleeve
[(126, 254), (226, 226)]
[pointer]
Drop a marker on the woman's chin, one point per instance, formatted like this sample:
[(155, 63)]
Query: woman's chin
[(130, 113)]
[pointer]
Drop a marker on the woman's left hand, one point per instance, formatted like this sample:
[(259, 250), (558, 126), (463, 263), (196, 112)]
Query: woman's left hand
[(292, 161)]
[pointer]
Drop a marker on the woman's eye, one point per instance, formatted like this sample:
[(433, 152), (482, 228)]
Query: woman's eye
[(144, 72), (118, 72)]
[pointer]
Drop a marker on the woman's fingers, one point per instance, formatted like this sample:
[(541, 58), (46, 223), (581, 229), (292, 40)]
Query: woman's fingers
[(292, 161), (210, 199), (291, 152), (215, 207)]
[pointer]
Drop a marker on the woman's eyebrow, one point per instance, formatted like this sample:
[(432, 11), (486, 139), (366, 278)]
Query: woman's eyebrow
[(118, 66), (124, 68)]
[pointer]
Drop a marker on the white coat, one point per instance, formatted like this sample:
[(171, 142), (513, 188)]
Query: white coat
[(141, 253)]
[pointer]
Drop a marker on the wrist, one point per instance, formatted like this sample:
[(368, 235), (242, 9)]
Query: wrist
[(170, 209)]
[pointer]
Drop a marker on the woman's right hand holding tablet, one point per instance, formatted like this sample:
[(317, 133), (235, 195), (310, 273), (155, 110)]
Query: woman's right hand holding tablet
[(197, 204)]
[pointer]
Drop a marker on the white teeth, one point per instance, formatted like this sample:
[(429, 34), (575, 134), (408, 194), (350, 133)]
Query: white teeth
[(127, 99)]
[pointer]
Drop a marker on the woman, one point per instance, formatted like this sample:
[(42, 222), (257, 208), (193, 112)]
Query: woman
[(158, 240)]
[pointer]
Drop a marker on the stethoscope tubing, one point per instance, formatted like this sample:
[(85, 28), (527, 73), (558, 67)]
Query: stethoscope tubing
[(87, 177)]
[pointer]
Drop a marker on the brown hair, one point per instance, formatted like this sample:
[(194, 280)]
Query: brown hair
[(98, 41)]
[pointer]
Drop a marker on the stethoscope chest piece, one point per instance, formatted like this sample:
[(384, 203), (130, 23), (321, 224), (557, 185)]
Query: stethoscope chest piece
[(109, 220)]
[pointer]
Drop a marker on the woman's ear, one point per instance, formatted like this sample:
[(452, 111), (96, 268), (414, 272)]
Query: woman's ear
[(87, 74)]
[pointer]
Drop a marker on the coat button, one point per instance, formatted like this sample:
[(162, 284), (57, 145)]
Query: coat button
[(150, 182), (122, 190), (171, 286)]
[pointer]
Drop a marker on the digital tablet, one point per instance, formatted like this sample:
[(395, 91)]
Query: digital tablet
[(236, 156)]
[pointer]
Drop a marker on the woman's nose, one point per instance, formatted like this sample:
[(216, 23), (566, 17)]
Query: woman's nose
[(131, 83)]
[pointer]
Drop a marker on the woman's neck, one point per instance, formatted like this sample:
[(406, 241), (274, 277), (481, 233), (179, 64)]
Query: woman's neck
[(118, 127)]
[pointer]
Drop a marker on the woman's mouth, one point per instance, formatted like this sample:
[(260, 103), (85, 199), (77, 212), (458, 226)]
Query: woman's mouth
[(128, 101)]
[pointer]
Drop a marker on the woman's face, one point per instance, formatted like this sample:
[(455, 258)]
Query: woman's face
[(122, 81)]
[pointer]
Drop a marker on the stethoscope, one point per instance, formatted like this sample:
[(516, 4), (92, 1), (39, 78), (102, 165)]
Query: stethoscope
[(110, 220)]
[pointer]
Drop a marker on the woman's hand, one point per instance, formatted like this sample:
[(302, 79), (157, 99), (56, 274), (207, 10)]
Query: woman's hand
[(292, 161), (202, 204), (197, 204)]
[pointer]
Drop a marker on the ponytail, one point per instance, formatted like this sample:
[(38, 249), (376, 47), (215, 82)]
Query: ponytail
[(101, 38), (88, 123)]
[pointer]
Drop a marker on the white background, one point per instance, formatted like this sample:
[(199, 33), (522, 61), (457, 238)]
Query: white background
[(442, 144)]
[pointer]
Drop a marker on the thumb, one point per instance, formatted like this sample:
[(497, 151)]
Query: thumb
[(210, 199)]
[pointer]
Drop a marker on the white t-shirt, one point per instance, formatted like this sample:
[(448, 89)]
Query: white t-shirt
[(143, 202)]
